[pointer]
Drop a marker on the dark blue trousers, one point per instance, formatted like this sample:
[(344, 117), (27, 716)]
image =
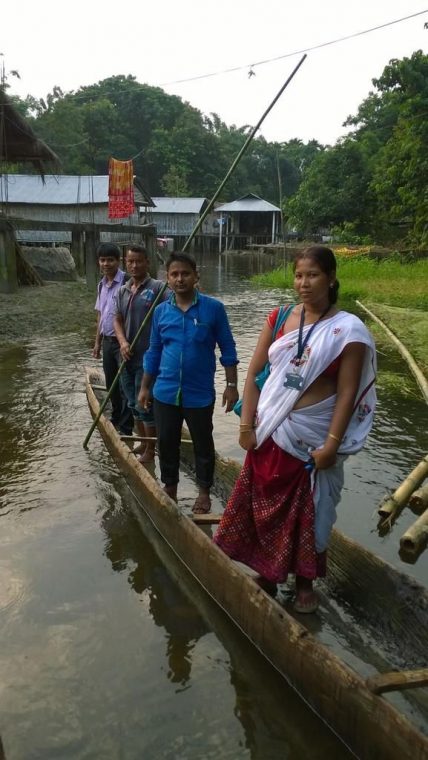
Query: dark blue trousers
[(121, 415), (169, 421)]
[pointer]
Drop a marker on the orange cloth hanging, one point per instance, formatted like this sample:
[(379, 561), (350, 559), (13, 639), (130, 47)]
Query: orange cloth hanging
[(120, 189)]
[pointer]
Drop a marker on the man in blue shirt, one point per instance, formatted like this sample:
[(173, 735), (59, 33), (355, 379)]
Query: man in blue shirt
[(179, 369)]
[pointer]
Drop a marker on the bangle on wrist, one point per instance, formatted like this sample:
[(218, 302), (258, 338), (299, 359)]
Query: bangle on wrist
[(335, 438), (230, 385)]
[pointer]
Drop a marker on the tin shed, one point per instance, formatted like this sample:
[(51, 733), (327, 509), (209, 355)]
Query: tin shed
[(247, 221)]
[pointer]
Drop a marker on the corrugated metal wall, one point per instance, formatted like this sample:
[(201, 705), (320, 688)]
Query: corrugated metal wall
[(97, 214), (174, 224), (94, 214)]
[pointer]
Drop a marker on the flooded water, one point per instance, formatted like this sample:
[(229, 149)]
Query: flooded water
[(108, 650)]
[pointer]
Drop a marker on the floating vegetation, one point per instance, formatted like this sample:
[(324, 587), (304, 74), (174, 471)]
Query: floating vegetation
[(397, 384)]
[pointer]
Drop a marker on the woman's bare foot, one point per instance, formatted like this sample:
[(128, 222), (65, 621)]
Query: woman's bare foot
[(306, 600), (147, 456)]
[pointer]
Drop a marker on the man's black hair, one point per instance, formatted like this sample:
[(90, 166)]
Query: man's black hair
[(138, 249), (108, 249), (185, 258)]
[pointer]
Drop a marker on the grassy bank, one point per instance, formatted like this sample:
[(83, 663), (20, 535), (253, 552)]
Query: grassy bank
[(387, 281), (409, 325)]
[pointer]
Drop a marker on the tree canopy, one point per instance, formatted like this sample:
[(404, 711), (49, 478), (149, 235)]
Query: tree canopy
[(374, 180), (377, 177)]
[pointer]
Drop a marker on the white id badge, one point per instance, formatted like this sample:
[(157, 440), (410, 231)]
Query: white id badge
[(293, 380)]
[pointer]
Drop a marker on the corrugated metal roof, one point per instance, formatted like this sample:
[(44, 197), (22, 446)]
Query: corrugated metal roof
[(61, 189), (179, 205), (248, 202)]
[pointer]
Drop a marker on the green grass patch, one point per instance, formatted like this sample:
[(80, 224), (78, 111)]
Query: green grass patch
[(409, 325), (386, 281)]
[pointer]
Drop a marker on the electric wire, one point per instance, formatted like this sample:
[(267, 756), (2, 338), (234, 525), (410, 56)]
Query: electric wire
[(83, 94), (251, 66)]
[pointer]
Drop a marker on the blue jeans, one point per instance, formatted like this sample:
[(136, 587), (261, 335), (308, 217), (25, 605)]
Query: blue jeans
[(131, 382)]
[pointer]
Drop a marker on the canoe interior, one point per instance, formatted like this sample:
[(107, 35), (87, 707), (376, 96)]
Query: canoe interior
[(370, 632)]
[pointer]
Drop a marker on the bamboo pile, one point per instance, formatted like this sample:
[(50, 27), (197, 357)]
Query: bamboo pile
[(412, 493), (415, 538), (418, 501), (393, 505)]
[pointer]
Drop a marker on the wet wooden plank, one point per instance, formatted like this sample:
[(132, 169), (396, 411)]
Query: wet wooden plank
[(138, 438), (209, 518), (397, 681)]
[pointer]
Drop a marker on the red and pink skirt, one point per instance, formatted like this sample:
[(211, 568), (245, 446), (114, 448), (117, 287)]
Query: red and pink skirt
[(269, 520)]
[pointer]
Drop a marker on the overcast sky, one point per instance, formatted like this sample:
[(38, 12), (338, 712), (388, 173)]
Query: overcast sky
[(81, 42)]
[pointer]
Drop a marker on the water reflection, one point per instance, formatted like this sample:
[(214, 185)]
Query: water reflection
[(128, 550), (270, 713), (14, 369)]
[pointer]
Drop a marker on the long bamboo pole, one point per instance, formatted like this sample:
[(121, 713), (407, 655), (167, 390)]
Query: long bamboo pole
[(189, 240), (241, 153), (419, 375)]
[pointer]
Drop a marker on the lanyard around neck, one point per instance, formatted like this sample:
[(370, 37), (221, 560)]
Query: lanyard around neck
[(301, 344)]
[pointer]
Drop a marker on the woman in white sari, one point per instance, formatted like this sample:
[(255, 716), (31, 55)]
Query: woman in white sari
[(315, 408)]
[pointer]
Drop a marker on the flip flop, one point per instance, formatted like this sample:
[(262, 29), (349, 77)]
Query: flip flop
[(202, 505), (306, 607)]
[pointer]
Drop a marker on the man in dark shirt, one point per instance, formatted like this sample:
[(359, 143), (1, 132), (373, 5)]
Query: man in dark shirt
[(181, 363), (133, 302)]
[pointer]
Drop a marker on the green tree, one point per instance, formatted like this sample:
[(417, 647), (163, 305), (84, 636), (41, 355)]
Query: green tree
[(174, 183), (334, 189), (391, 129)]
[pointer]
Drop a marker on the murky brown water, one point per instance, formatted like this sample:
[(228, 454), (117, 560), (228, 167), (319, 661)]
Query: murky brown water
[(102, 654)]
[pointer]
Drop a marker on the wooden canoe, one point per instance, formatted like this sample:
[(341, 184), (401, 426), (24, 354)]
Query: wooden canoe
[(377, 601)]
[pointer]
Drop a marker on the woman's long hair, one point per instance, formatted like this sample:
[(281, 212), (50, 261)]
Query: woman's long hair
[(326, 261)]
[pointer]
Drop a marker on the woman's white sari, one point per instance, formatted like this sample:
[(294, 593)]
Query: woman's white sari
[(299, 431)]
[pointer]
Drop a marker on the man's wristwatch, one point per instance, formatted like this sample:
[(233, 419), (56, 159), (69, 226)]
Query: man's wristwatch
[(231, 385)]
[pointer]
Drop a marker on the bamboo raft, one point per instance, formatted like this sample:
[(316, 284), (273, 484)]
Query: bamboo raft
[(362, 597)]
